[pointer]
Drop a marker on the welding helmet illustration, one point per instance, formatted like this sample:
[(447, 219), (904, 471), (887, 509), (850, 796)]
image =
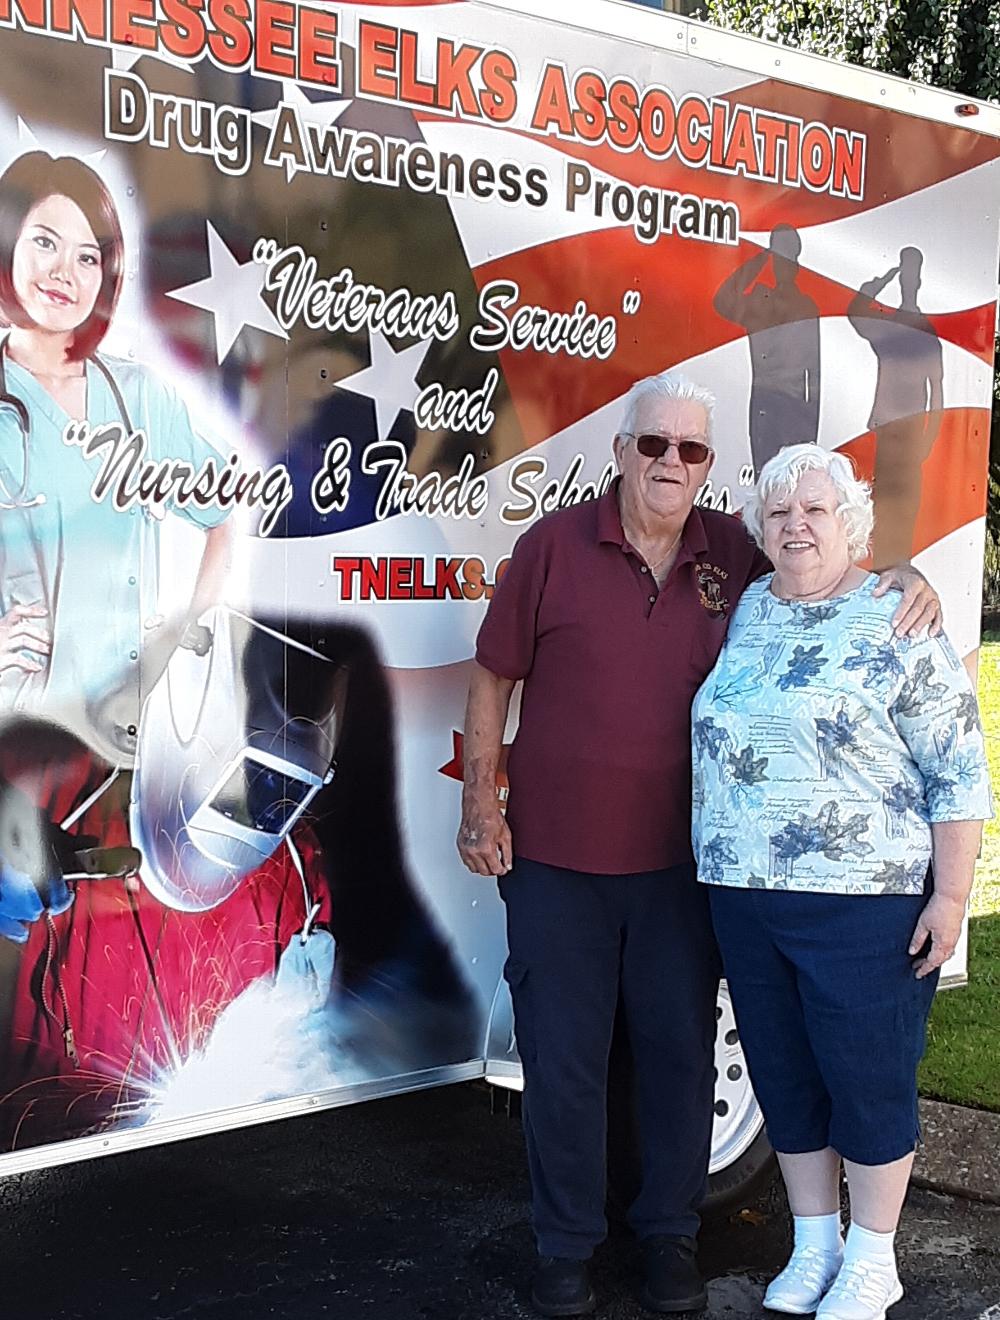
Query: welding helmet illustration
[(235, 740)]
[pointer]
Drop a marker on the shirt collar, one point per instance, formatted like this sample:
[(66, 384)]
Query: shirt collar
[(694, 540)]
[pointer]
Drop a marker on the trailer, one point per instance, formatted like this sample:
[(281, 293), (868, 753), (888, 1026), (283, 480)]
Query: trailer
[(351, 293)]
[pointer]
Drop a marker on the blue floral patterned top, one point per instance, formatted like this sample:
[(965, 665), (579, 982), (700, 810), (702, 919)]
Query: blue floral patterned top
[(824, 747)]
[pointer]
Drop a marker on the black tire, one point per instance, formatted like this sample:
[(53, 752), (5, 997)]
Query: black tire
[(734, 1186), (741, 1183)]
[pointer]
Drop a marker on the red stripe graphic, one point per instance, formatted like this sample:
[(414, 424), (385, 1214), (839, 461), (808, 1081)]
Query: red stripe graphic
[(953, 478)]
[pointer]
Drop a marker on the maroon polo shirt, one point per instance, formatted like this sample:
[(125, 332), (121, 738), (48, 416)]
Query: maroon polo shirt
[(600, 770)]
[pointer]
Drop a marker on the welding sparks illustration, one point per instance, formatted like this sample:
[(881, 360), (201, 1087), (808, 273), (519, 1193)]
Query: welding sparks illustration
[(278, 1038)]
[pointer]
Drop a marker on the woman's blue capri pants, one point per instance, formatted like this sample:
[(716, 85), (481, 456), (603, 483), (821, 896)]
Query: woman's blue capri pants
[(830, 1014)]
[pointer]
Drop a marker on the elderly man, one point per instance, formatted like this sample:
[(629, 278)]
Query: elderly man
[(612, 612)]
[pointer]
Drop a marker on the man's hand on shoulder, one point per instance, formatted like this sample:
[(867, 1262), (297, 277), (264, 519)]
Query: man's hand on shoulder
[(920, 607), (484, 842)]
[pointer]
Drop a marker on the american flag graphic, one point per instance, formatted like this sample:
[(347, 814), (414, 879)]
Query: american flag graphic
[(927, 191), (824, 262)]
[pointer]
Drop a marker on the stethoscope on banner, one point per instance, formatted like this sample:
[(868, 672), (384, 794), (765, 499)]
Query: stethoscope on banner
[(20, 409)]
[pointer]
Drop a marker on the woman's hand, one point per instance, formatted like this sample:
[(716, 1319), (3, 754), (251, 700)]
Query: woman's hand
[(22, 630), (161, 637), (941, 923), (955, 847)]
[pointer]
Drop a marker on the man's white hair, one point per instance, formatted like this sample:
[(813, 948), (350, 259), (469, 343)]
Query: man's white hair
[(667, 385), (781, 474)]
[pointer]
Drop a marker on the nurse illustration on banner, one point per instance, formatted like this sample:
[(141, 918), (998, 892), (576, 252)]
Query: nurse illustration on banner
[(79, 632)]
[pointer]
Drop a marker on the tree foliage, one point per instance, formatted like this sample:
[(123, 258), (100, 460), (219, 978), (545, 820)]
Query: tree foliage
[(954, 44), (949, 43)]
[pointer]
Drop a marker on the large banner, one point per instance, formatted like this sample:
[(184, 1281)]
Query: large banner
[(312, 309)]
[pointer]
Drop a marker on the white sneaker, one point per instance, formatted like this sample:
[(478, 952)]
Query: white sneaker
[(863, 1290), (801, 1285)]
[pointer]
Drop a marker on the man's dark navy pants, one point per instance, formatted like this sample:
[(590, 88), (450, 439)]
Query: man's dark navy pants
[(578, 943)]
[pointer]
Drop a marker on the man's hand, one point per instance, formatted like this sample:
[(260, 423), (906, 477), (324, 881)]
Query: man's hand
[(484, 842), (941, 923), (920, 607)]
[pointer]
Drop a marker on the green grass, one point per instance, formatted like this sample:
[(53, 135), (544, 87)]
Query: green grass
[(962, 1064)]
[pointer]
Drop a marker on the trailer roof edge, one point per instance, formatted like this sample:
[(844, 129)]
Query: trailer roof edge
[(761, 57)]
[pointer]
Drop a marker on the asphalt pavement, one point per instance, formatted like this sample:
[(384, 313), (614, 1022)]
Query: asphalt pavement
[(412, 1208)]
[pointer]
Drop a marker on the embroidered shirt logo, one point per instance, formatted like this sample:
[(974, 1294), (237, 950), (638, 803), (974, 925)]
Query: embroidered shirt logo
[(711, 591)]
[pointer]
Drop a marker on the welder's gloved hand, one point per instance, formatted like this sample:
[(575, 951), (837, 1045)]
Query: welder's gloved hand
[(31, 873), (22, 901), (305, 969)]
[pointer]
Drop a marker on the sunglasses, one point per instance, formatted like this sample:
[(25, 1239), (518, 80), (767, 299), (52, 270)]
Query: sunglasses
[(689, 450)]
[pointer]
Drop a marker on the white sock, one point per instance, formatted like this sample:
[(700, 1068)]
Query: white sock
[(864, 1244), (822, 1231)]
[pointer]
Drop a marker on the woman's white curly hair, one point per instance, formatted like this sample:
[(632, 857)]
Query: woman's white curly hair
[(782, 473)]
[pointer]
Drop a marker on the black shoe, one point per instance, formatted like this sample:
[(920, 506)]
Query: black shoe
[(563, 1287), (672, 1281)]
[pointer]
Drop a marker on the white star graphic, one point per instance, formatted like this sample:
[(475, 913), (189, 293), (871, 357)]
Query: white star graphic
[(29, 140), (391, 380), (232, 293), (321, 113), (126, 60)]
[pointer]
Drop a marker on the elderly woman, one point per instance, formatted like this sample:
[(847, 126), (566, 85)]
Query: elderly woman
[(840, 785)]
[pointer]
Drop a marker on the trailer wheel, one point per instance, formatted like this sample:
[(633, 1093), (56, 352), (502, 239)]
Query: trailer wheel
[(742, 1161)]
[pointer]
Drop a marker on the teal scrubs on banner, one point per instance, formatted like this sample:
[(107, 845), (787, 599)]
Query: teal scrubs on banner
[(93, 567)]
